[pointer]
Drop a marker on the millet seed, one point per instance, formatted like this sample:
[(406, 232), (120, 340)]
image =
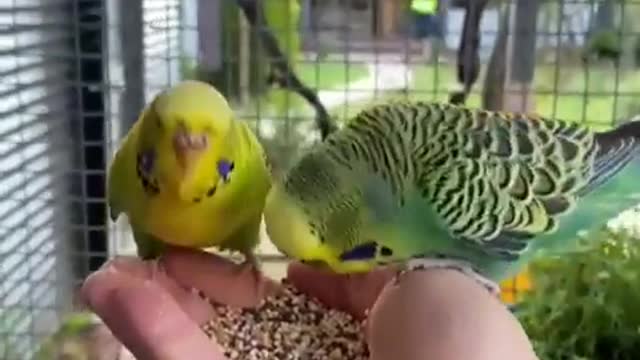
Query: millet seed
[(287, 326)]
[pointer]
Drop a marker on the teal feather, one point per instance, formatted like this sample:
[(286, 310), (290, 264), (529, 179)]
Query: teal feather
[(613, 188)]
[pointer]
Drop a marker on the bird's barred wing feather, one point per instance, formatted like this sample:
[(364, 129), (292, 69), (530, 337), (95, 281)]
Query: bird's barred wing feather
[(495, 179), (498, 179)]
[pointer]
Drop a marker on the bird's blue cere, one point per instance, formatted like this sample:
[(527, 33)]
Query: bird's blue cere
[(224, 169)]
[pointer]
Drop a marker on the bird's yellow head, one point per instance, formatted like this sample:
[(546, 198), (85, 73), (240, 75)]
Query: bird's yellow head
[(186, 140), (313, 215)]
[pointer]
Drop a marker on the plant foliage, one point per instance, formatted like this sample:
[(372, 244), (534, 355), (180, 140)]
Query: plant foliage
[(585, 303)]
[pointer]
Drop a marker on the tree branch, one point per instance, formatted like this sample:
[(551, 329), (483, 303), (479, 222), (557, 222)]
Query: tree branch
[(281, 73), (468, 50)]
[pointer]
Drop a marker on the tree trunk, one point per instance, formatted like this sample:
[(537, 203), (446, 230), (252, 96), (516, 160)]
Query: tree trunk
[(604, 16), (510, 72), (494, 80), (521, 49), (468, 59), (546, 26), (443, 11), (524, 41)]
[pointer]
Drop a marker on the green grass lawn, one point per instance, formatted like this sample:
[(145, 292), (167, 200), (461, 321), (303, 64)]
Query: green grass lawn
[(330, 75), (430, 83), (592, 98), (596, 98), (316, 75)]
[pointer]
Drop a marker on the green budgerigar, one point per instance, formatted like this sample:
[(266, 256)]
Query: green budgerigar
[(189, 173), (434, 185)]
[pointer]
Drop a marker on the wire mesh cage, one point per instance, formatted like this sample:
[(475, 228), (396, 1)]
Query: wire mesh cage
[(76, 73)]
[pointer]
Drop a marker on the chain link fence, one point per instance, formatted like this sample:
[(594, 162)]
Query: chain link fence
[(74, 75)]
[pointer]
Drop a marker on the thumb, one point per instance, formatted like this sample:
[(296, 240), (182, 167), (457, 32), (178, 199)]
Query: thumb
[(145, 317), (351, 293)]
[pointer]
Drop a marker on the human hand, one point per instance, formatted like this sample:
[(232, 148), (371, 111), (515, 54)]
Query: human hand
[(151, 312), (429, 314)]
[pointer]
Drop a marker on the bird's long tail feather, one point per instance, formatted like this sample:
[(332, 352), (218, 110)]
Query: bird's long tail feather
[(614, 185)]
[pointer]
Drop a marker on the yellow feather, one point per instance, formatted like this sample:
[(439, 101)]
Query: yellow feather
[(230, 218), (288, 228)]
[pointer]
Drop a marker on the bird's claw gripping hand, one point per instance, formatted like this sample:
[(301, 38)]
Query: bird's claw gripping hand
[(250, 263)]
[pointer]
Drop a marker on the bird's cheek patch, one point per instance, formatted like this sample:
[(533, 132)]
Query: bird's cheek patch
[(145, 162), (364, 251), (225, 167)]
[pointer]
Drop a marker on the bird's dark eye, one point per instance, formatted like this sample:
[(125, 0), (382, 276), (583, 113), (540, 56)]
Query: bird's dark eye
[(385, 251)]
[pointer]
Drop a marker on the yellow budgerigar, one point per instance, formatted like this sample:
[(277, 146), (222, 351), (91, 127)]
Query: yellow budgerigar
[(190, 174)]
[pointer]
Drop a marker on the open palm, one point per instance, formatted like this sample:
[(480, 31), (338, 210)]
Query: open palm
[(152, 309)]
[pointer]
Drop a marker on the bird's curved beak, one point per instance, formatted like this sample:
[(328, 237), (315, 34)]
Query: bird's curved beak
[(188, 148)]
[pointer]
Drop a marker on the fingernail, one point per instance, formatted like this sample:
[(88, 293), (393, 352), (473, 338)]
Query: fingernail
[(96, 286)]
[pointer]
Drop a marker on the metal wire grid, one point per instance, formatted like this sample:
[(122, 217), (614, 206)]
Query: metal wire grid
[(36, 97), (75, 74)]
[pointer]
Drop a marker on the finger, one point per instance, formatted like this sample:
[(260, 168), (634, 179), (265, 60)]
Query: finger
[(364, 289), (146, 318), (353, 293), (440, 314), (219, 279), (193, 305)]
